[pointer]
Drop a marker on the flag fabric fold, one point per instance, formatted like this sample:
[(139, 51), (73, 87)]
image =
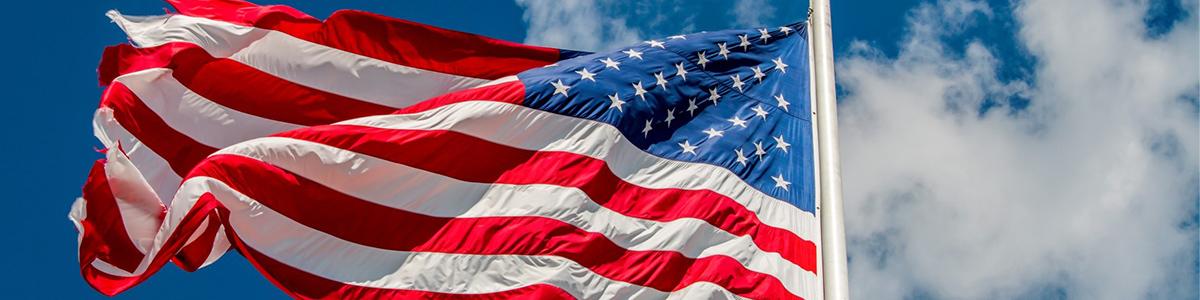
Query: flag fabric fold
[(364, 156)]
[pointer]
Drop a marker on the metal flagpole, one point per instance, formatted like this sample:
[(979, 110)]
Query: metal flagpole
[(833, 234)]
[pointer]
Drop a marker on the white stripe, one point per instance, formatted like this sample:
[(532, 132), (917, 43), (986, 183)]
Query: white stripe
[(326, 256), (77, 213), (203, 120), (219, 39), (406, 188), (139, 208), (154, 168), (705, 290), (104, 266), (500, 80), (544, 131), (296, 60)]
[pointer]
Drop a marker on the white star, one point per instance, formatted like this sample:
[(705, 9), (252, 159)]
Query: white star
[(680, 71), (585, 74), (702, 59), (670, 116), (687, 147), (712, 133), (713, 95), (737, 81), (659, 80), (616, 102), (738, 121), (781, 102), (759, 111), (765, 35), (758, 73), (677, 37), (741, 156), (786, 30), (692, 107), (779, 65), (560, 88), (758, 150), (610, 63), (723, 52), (633, 53), (745, 42), (780, 183), (780, 143), (646, 130), (654, 43), (639, 91)]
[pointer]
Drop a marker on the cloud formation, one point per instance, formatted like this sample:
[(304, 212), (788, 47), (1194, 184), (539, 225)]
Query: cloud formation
[(599, 25), (748, 13), (1088, 190), (575, 24)]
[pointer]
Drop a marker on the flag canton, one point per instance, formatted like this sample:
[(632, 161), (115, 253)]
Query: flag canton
[(736, 99)]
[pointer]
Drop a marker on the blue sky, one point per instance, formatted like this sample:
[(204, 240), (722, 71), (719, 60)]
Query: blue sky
[(995, 107)]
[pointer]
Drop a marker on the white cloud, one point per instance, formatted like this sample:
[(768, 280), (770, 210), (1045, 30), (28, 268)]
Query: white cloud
[(748, 13), (573, 24), (602, 25), (1082, 193)]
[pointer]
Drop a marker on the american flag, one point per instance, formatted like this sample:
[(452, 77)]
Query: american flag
[(367, 157)]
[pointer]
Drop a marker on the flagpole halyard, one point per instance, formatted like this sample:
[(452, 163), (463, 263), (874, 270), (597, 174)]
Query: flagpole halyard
[(833, 235)]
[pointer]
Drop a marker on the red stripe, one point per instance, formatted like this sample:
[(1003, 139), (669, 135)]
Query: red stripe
[(326, 210), (104, 234), (468, 158), (302, 285), (110, 285), (278, 17), (211, 78), (393, 40), (509, 92), (179, 150)]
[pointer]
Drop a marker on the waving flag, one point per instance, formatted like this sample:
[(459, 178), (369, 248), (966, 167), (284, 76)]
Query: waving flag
[(679, 167), (222, 72)]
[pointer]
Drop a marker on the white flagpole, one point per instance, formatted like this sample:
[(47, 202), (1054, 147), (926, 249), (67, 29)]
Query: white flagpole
[(833, 233)]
